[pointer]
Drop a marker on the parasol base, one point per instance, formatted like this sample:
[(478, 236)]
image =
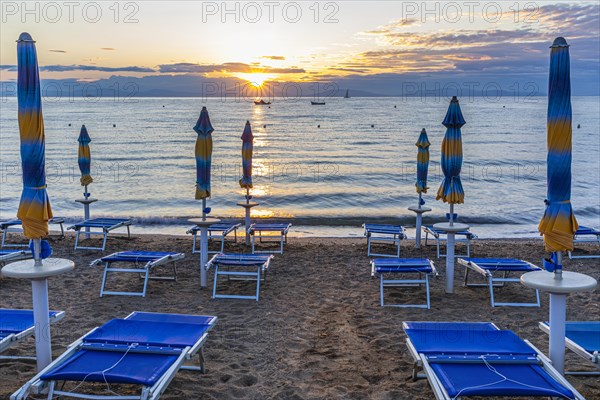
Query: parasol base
[(247, 207), (450, 231)]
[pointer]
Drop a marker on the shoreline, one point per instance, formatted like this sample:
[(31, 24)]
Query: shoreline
[(318, 330)]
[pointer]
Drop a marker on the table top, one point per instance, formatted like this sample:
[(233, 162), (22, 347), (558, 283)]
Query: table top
[(26, 269), (86, 201), (419, 210), (571, 282), (204, 222), (249, 205), (456, 227)]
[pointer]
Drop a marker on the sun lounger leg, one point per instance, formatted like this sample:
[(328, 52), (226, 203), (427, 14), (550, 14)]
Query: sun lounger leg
[(369, 246), (223, 243), (104, 279), (253, 239), (104, 239), (437, 241), (468, 247), (77, 239), (491, 283), (381, 289), (281, 247), (4, 236), (128, 232), (427, 291), (258, 280), (146, 281), (215, 281)]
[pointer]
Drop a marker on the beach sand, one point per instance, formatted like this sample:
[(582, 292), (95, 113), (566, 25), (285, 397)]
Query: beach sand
[(318, 331)]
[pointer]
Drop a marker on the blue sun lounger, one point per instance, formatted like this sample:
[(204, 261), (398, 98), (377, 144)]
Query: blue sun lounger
[(486, 267), (8, 255), (384, 234), (395, 266), (280, 231), (11, 226), (16, 325), (215, 232), (251, 267), (441, 236), (103, 226), (466, 359), (141, 262), (144, 349), (586, 235), (583, 339)]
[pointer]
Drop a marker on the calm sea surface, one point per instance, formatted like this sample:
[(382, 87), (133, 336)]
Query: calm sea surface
[(327, 180)]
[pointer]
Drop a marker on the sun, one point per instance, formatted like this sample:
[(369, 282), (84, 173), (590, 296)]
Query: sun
[(256, 79)]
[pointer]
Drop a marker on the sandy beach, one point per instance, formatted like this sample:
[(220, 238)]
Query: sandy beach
[(318, 331)]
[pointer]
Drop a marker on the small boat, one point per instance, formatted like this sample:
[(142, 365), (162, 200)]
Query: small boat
[(261, 102), (347, 95), (317, 103)]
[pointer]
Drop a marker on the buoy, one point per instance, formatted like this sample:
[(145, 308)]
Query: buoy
[(372, 126), (69, 124), (318, 126), (163, 106), (264, 126), (578, 126), (394, 106), (503, 106), (114, 125)]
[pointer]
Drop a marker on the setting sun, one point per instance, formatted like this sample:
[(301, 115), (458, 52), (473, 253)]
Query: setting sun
[(256, 79)]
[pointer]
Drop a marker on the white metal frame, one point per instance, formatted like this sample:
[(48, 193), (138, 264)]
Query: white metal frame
[(439, 239), (144, 270), (282, 237), (594, 357), (423, 279), (10, 340), (259, 275), (493, 282), (382, 236), (37, 386), (420, 360), (15, 256), (578, 239), (104, 232), (221, 235)]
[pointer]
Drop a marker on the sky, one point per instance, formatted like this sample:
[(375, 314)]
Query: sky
[(372, 47)]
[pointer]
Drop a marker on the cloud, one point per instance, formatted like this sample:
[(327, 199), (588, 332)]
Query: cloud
[(356, 70), (231, 67), (108, 48), (57, 51), (277, 58), (66, 68)]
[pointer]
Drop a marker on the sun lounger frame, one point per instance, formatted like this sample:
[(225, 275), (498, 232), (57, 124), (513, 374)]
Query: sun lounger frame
[(14, 256), (594, 357), (144, 270), (460, 237), (404, 267), (222, 229), (269, 227), (7, 227), (421, 363), (36, 386), (105, 224), (13, 338), (585, 231), (222, 262), (384, 234), (493, 281)]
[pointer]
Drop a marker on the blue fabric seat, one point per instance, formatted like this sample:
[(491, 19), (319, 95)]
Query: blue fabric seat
[(384, 234), (218, 231), (481, 360), (8, 226), (440, 236), (145, 349), (488, 268), (398, 266)]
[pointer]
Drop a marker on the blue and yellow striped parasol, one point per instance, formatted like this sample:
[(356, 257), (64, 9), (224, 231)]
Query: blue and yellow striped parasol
[(558, 224), (247, 146), (451, 190), (422, 162), (84, 157), (34, 208), (203, 154)]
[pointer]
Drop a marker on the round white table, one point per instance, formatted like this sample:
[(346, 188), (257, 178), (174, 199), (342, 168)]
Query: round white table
[(558, 286), (419, 211), (450, 230), (26, 269), (247, 206), (203, 224)]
